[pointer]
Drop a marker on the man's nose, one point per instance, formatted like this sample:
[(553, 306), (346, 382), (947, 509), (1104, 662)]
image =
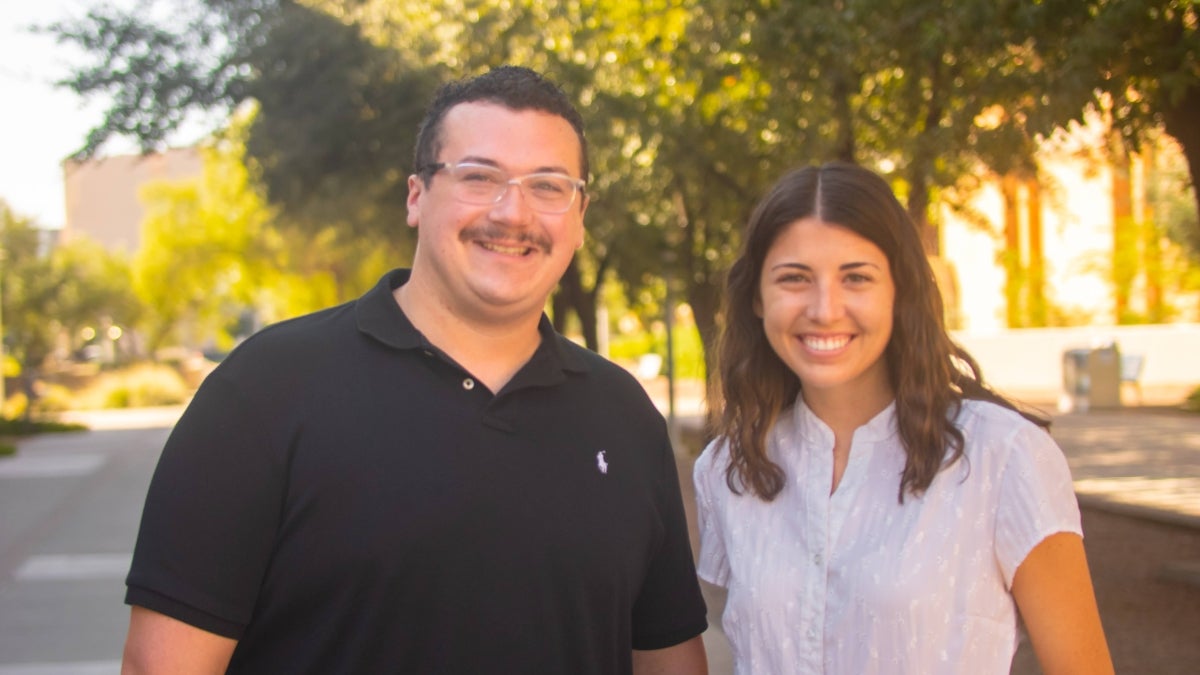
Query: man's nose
[(513, 204)]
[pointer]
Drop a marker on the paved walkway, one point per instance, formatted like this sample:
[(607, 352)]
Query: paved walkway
[(1142, 461)]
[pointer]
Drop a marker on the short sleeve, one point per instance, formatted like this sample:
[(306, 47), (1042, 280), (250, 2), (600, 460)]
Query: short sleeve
[(708, 476), (670, 608), (211, 515), (1036, 498)]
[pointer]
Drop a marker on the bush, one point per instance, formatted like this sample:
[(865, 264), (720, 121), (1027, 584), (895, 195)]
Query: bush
[(23, 427), (139, 386), (1192, 402)]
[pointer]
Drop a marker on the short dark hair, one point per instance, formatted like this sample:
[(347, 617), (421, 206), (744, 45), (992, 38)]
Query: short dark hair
[(513, 87)]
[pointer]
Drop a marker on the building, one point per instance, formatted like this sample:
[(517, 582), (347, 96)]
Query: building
[(102, 195)]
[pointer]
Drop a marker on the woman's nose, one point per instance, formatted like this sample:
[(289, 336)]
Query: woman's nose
[(826, 303)]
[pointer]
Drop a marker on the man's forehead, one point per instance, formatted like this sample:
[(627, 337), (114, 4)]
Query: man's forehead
[(484, 129)]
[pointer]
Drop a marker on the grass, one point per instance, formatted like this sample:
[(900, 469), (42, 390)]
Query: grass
[(11, 429)]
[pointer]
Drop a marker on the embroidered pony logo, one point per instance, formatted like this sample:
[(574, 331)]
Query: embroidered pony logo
[(601, 463)]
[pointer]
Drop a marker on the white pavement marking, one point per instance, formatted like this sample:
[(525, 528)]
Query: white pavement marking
[(1178, 495), (51, 466), (125, 418), (73, 568), (74, 668)]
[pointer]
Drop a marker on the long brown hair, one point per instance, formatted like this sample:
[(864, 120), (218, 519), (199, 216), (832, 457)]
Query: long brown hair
[(930, 374)]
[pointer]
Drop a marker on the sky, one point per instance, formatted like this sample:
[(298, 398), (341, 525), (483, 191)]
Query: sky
[(41, 124)]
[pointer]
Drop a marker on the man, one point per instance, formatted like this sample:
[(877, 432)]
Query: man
[(429, 479)]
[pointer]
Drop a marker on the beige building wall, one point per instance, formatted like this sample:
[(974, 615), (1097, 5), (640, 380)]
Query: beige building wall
[(103, 194)]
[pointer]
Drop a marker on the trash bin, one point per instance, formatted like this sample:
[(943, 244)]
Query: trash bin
[(1091, 379)]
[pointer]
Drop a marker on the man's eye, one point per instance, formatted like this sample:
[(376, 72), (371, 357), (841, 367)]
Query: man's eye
[(548, 186), (476, 176)]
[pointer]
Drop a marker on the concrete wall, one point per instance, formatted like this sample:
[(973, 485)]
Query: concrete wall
[(1031, 359), (103, 200)]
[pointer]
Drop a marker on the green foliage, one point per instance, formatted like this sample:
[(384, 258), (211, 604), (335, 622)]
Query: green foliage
[(48, 290), (688, 349), (138, 386), (693, 108), (214, 250), (27, 427)]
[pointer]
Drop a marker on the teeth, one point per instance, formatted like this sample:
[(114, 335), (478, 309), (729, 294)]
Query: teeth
[(826, 344), (507, 250)]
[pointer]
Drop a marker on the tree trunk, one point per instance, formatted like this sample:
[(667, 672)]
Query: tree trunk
[(845, 148), (581, 301), (918, 206), (1036, 293), (705, 301), (1124, 242), (1182, 122), (1011, 256)]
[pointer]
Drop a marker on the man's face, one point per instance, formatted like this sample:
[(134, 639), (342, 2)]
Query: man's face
[(504, 259)]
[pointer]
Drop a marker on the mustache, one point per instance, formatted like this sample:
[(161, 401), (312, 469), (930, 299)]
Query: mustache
[(500, 233)]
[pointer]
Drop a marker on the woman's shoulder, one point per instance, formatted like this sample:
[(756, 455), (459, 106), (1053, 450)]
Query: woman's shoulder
[(992, 418), (1001, 434), (712, 459)]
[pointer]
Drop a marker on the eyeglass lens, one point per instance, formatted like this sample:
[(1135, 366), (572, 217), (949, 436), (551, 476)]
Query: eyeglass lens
[(482, 184)]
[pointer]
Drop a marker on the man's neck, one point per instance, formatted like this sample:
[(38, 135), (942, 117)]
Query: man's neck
[(492, 349)]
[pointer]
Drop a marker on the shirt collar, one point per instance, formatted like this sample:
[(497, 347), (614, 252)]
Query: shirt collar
[(878, 428), (380, 317)]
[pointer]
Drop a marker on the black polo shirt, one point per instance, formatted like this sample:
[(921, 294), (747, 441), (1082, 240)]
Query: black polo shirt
[(341, 497)]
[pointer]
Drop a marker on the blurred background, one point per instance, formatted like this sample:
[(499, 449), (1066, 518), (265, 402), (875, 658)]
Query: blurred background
[(176, 175)]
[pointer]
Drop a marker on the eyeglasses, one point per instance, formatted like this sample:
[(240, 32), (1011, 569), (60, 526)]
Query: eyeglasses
[(483, 185)]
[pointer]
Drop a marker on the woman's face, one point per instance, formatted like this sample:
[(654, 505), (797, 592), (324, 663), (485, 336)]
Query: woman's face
[(826, 297)]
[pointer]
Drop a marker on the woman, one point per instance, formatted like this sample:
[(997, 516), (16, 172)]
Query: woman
[(870, 506)]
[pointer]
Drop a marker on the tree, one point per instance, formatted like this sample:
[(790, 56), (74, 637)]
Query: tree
[(332, 138), (48, 292), (215, 250), (692, 107), (1135, 61)]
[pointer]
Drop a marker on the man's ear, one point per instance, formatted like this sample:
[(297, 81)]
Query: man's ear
[(416, 187)]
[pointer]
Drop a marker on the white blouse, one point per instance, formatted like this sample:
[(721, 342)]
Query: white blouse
[(857, 583)]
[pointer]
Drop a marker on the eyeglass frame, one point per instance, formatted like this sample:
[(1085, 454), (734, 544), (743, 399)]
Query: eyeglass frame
[(428, 170)]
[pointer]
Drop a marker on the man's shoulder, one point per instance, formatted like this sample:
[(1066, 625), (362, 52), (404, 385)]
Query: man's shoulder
[(595, 364), (299, 336)]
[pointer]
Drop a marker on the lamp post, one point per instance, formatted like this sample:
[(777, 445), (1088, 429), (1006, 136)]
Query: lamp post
[(3, 393), (669, 324)]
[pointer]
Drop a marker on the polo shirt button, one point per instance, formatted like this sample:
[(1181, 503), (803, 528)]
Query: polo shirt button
[(428, 353), (468, 384)]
